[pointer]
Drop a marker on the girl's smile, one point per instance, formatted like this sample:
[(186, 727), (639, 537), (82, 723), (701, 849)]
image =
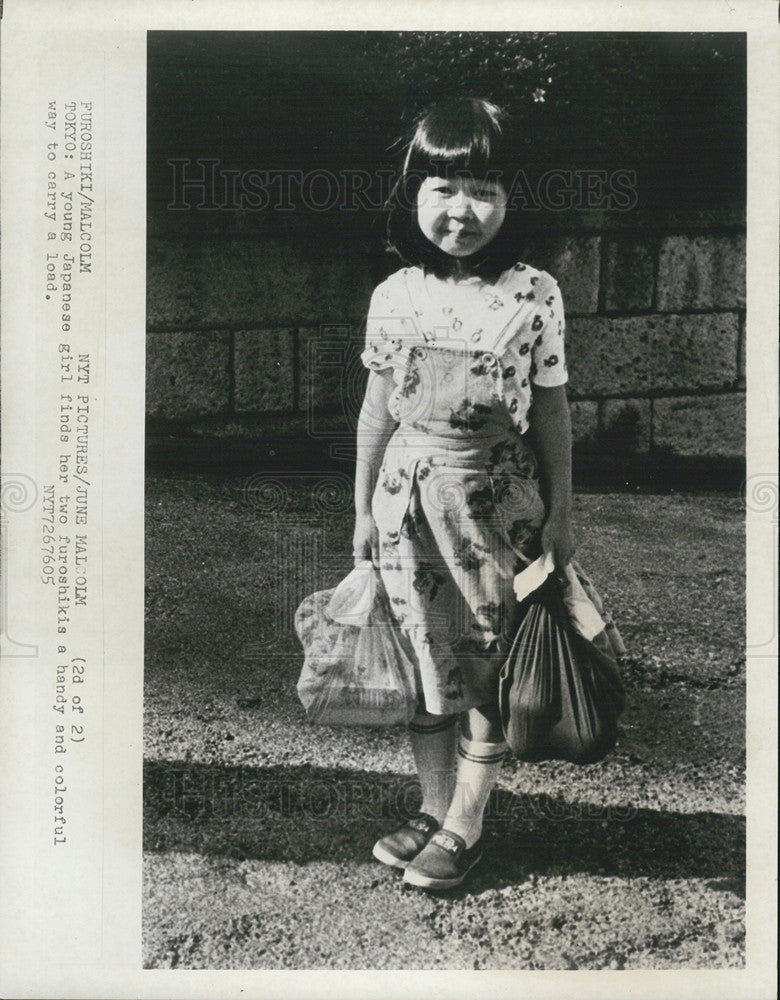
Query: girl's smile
[(460, 215)]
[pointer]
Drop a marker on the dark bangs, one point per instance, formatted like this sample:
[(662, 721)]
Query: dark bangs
[(462, 137), (457, 137)]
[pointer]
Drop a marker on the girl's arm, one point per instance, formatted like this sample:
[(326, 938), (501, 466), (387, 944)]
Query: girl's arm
[(375, 426), (551, 429)]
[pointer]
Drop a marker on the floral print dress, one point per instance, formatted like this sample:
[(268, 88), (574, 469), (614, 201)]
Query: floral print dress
[(457, 502)]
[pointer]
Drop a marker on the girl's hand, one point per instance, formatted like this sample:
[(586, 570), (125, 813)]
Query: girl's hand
[(557, 539), (365, 540)]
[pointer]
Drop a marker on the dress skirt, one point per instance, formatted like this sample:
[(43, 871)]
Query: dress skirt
[(459, 512)]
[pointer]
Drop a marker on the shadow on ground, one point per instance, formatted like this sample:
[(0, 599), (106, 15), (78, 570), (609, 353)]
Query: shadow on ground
[(304, 814), (250, 866)]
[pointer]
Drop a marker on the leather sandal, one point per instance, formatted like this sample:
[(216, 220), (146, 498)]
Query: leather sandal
[(444, 862), (399, 848)]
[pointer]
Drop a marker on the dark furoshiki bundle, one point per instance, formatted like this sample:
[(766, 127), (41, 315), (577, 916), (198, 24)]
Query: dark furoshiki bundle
[(560, 692)]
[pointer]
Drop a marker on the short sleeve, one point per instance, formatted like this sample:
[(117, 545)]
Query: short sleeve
[(386, 329), (548, 327)]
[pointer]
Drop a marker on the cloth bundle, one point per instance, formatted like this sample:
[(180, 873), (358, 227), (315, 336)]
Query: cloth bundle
[(560, 692), (357, 670)]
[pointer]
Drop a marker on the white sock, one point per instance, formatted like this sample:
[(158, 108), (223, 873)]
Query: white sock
[(434, 741), (478, 767)]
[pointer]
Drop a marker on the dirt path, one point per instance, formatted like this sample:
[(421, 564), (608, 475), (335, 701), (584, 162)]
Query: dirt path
[(258, 827)]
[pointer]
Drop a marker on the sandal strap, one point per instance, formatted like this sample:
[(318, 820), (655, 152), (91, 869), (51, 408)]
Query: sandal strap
[(423, 823), (451, 842)]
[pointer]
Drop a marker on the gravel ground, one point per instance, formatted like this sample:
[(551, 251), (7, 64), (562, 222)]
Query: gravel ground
[(258, 827)]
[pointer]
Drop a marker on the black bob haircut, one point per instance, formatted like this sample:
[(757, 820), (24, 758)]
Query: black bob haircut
[(465, 136)]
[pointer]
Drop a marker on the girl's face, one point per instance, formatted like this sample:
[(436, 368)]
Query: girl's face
[(460, 215)]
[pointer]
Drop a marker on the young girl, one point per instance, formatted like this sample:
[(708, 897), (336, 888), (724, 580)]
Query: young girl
[(465, 396)]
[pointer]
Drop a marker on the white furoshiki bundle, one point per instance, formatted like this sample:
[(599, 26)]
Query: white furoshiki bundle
[(357, 669)]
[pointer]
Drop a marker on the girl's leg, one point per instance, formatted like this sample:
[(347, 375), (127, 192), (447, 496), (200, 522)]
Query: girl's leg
[(483, 723), (452, 852), (481, 751), (434, 741)]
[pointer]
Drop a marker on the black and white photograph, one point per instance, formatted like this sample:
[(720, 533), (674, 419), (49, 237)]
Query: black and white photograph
[(445, 404)]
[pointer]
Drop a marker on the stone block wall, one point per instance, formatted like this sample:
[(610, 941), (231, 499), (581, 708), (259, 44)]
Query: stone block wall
[(655, 329)]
